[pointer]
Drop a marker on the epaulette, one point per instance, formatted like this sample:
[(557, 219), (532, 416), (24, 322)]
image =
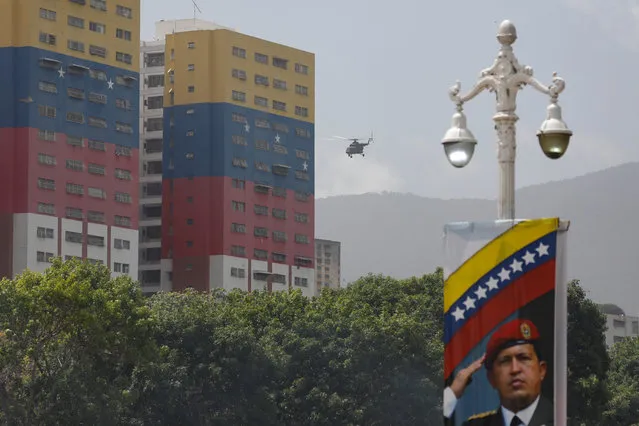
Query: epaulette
[(482, 415)]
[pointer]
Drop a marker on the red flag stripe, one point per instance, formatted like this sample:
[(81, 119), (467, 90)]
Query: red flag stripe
[(529, 287)]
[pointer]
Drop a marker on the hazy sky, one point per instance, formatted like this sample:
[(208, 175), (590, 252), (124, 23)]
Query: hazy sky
[(386, 66)]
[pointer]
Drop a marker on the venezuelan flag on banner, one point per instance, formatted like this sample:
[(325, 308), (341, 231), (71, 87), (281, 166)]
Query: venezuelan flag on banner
[(496, 272)]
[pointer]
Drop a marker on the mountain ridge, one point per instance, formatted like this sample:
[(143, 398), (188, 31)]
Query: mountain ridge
[(400, 234)]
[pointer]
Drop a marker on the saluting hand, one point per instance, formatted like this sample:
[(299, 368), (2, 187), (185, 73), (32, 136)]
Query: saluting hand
[(464, 377)]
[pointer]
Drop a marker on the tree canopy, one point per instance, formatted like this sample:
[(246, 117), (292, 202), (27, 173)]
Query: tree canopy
[(79, 347)]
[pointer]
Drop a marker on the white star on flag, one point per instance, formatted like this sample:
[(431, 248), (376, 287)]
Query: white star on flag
[(305, 166), (458, 314), (277, 138), (504, 274), (481, 293), (469, 303), (110, 83), (542, 249), (492, 283), (529, 257), (516, 265), (247, 128), (61, 72)]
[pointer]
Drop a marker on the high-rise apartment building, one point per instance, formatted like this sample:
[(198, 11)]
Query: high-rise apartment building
[(69, 133), (328, 268), (152, 79), (238, 163)]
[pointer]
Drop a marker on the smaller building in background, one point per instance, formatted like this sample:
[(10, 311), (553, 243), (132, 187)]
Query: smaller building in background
[(620, 325), (328, 268)]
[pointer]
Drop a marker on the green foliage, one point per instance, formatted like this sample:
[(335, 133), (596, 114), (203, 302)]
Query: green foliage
[(623, 381), (78, 347), (588, 359)]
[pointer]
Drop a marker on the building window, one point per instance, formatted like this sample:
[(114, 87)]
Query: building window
[(239, 140), (303, 133), (121, 244), (263, 124), (260, 232), (45, 232), (46, 159), (99, 4), (124, 104), (190, 67), (280, 149), (239, 74), (190, 156), (238, 251), (74, 93), (123, 34), (123, 128), (260, 210), (122, 268), (123, 151), (97, 51), (46, 184), (47, 111), (238, 228), (239, 52), (47, 38), (96, 145), (98, 75), (301, 111), (46, 208), (261, 144), (189, 221), (301, 90), (279, 214), (279, 106), (300, 175), (261, 101), (239, 96), (98, 193), (239, 162), (45, 86), (261, 80), (95, 240), (47, 14), (301, 69), (279, 84), (44, 257), (124, 58), (262, 166), (278, 191), (280, 63), (123, 197), (191, 89), (124, 11), (75, 189), (75, 165), (154, 124), (122, 221), (46, 135), (93, 216), (123, 174), (75, 117), (239, 183), (301, 217), (96, 27), (155, 102), (98, 122), (301, 196), (155, 81), (238, 272), (238, 206), (261, 58), (301, 282), (279, 236), (301, 239), (78, 46), (154, 60), (96, 169), (260, 254), (238, 118), (74, 213)]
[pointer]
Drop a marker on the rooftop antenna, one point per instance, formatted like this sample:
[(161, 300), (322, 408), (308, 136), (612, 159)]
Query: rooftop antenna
[(196, 9)]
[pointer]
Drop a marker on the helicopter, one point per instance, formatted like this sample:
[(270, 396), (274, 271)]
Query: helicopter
[(356, 147)]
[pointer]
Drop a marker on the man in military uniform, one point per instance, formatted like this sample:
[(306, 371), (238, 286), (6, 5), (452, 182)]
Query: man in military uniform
[(516, 370)]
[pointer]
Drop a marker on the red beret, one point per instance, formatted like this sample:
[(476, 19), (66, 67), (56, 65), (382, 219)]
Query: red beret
[(513, 333)]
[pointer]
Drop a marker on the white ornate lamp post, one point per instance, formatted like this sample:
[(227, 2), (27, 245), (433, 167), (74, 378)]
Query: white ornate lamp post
[(506, 77)]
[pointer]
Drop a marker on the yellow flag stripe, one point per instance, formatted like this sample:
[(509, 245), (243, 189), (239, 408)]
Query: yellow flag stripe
[(492, 254)]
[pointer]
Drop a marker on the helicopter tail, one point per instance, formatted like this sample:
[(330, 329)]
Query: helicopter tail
[(371, 138)]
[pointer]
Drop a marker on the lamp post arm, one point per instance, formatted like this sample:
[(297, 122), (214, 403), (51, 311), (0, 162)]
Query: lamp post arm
[(484, 83), (553, 90)]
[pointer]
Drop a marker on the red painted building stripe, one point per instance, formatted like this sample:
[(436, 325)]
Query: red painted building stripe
[(516, 295)]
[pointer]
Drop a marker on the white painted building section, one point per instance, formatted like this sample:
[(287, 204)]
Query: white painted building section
[(621, 327), (328, 263), (38, 238)]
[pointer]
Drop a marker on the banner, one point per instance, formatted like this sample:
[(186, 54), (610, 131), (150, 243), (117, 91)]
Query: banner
[(504, 323)]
